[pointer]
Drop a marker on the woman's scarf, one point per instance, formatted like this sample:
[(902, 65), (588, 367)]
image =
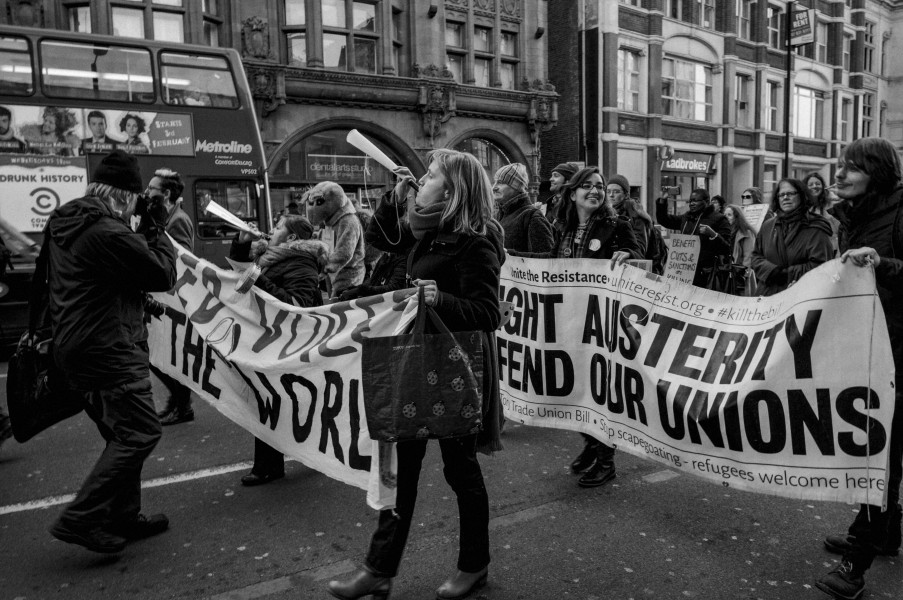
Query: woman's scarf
[(790, 222), (424, 219)]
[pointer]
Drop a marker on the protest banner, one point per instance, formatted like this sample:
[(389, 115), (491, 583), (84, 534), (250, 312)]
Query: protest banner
[(790, 395), (683, 254), (290, 376), (755, 215)]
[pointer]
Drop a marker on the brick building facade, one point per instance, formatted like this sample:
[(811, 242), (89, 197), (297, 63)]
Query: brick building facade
[(692, 92), (411, 75)]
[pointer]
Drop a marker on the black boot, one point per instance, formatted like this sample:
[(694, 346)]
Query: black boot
[(603, 469), (843, 543), (844, 583), (585, 459), (361, 583)]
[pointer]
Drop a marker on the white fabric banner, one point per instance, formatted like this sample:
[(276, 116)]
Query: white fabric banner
[(761, 394), (291, 376)]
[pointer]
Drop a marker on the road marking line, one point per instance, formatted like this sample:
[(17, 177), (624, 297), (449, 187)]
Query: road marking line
[(49, 501)]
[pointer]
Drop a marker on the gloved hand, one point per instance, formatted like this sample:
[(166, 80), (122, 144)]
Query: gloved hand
[(157, 213), (357, 291), (778, 277), (153, 215)]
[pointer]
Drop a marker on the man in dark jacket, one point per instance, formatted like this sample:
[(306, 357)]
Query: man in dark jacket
[(713, 229), (560, 176), (526, 229), (166, 186), (99, 273)]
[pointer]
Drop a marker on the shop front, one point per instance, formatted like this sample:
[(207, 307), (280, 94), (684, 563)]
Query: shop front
[(684, 172), (327, 156)]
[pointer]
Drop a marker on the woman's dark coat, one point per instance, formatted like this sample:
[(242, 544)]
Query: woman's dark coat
[(782, 253), (466, 269), (294, 278)]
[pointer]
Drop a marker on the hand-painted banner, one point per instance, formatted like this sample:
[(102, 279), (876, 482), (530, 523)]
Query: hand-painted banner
[(290, 376), (763, 394), (683, 254)]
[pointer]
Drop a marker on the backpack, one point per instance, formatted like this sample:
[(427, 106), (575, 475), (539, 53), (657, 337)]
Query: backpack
[(657, 250)]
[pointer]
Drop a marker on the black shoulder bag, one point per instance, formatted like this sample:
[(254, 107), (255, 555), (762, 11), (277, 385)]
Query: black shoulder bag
[(36, 391)]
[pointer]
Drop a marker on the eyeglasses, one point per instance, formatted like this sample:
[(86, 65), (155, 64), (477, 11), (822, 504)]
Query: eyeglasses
[(746, 196), (588, 186), (153, 187), (787, 195)]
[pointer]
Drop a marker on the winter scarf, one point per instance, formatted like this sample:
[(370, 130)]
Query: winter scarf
[(424, 219)]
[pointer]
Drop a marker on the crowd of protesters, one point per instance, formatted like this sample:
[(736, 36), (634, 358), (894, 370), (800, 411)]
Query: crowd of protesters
[(448, 233)]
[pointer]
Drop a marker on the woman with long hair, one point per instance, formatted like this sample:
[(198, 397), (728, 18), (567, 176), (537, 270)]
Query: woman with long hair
[(791, 244), (743, 236), (589, 227), (820, 202), (456, 256), (133, 126), (869, 182)]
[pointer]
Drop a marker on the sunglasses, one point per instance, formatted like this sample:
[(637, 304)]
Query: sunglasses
[(746, 196)]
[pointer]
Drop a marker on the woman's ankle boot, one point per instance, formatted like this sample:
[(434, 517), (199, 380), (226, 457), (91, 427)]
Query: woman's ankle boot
[(361, 584), (462, 584)]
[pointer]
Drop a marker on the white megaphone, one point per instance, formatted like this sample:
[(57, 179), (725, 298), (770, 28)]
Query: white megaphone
[(357, 140)]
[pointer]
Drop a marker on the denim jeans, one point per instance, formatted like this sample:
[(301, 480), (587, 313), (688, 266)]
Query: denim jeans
[(463, 474), (126, 419)]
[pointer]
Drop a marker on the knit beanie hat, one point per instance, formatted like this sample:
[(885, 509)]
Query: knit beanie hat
[(119, 170), (621, 181), (515, 175), (567, 169)]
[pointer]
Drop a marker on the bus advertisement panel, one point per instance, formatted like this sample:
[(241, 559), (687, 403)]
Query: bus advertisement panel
[(43, 165)]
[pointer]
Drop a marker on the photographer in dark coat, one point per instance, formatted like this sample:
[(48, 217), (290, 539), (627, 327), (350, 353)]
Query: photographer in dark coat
[(712, 227), (99, 273)]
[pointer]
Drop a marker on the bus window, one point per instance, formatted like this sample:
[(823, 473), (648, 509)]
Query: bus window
[(72, 70), (197, 81), (238, 197), (15, 67)]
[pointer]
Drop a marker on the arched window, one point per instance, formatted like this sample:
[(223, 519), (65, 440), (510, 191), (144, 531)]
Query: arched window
[(327, 156), (490, 156)]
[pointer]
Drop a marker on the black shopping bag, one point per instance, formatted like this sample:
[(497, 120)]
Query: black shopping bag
[(423, 385)]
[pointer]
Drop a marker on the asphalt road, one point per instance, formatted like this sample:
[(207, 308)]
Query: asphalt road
[(652, 534)]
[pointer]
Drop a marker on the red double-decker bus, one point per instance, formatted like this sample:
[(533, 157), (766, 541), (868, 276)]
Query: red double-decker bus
[(67, 99)]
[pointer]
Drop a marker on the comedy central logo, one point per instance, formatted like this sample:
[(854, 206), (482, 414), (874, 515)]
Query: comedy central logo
[(45, 201)]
